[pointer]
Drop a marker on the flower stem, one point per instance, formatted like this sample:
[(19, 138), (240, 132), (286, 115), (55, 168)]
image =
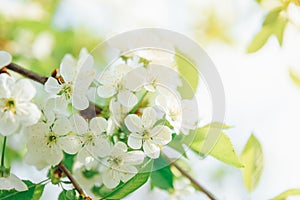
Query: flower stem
[(73, 181), (134, 109), (194, 182), (3, 151)]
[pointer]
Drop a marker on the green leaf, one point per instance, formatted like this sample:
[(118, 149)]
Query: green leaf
[(259, 40), (34, 192), (295, 77), (274, 24), (130, 186), (224, 151), (67, 195), (252, 158), (286, 194), (162, 176), (188, 74), (69, 161), (176, 144)]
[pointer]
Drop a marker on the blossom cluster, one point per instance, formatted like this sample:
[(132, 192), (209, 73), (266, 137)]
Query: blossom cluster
[(140, 110)]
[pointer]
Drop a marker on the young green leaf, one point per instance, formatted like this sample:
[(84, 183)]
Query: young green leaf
[(284, 195), (252, 158), (274, 24), (68, 161), (130, 186), (34, 192), (162, 176), (189, 75), (224, 151), (67, 195), (295, 77)]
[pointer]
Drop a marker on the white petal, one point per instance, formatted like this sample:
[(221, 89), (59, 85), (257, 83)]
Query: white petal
[(127, 172), (151, 149), (5, 58), (161, 102), (135, 141), (5, 184), (127, 98), (52, 86), (6, 85), (57, 105), (102, 148), (23, 90), (70, 144), (17, 183), (79, 124), (8, 123), (134, 123), (80, 102), (68, 68), (111, 178), (98, 125), (133, 158), (119, 149), (149, 117), (106, 91), (28, 113), (53, 156), (107, 78), (161, 135), (135, 79), (62, 126)]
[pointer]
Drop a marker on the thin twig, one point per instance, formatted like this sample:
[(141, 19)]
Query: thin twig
[(194, 182), (27, 73), (73, 181)]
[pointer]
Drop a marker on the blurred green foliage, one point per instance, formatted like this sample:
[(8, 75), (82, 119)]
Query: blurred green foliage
[(37, 44)]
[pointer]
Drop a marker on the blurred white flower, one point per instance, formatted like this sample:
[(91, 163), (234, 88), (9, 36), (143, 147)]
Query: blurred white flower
[(47, 141), (181, 114), (16, 110), (76, 79), (121, 164), (5, 58), (12, 182), (143, 134), (113, 83), (182, 188)]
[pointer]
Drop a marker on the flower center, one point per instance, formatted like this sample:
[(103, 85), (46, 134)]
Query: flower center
[(174, 114), (115, 161), (89, 138), (66, 90), (51, 139), (10, 105)]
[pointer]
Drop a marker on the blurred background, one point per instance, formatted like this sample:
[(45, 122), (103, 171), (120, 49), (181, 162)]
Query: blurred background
[(262, 95)]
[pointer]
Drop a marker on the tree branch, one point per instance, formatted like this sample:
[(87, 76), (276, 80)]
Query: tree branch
[(194, 182), (73, 181), (27, 73)]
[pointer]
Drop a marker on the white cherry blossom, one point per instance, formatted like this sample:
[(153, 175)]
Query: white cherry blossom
[(47, 141), (113, 83), (12, 182), (145, 134), (16, 110), (92, 141), (152, 78), (77, 75), (120, 164), (181, 114)]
